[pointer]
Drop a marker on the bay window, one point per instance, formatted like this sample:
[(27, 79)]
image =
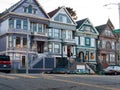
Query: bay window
[(18, 24)]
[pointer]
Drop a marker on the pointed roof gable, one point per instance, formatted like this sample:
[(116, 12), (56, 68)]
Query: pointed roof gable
[(101, 28), (53, 13), (86, 23), (15, 6), (80, 22)]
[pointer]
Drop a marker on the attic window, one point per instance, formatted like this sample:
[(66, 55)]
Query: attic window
[(25, 9), (30, 9)]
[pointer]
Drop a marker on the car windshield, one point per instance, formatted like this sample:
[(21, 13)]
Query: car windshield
[(113, 67), (4, 58)]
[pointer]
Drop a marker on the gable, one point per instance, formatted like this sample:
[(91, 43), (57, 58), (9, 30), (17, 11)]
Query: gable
[(108, 32), (87, 27), (63, 16), (29, 7)]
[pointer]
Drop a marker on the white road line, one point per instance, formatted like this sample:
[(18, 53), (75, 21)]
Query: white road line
[(8, 77)]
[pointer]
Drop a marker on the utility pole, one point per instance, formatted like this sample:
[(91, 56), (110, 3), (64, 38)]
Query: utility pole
[(27, 51), (118, 4), (117, 32)]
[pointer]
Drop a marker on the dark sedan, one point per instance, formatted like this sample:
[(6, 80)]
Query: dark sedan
[(112, 70), (60, 71)]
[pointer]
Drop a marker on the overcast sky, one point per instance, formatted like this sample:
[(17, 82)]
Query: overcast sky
[(92, 9)]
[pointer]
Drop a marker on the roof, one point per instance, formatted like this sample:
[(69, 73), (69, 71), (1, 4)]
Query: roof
[(19, 3), (80, 22), (101, 28), (52, 13), (11, 8)]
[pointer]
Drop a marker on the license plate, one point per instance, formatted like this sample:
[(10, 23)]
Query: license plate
[(4, 65)]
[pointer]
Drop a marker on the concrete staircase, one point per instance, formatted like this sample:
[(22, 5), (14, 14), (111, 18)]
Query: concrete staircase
[(37, 59)]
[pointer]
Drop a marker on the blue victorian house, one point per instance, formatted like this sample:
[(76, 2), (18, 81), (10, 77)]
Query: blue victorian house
[(23, 33), (61, 42), (86, 36)]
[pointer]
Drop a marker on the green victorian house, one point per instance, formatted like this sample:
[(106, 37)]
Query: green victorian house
[(86, 39)]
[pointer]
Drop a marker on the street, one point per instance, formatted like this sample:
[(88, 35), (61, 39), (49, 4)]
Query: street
[(58, 82)]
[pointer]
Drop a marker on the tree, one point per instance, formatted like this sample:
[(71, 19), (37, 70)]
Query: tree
[(72, 13)]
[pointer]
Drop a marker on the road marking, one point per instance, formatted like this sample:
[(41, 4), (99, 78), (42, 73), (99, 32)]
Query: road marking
[(26, 76), (79, 83), (8, 77)]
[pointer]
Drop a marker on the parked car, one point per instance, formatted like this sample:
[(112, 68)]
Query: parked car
[(112, 70), (79, 71), (5, 64), (60, 71)]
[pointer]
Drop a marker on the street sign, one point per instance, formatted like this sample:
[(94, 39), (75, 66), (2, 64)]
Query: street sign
[(116, 31)]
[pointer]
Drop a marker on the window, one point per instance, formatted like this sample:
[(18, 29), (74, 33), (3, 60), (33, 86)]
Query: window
[(40, 28), (76, 40), (18, 24), (34, 11), (87, 56), (69, 34), (113, 45), (17, 42), (87, 28), (63, 19), (108, 45), (108, 33), (87, 41), (11, 23), (25, 25), (34, 27), (30, 9), (92, 42), (82, 41), (25, 9), (50, 47), (112, 58), (56, 33), (57, 48), (92, 57), (64, 34), (24, 42), (50, 32), (103, 43)]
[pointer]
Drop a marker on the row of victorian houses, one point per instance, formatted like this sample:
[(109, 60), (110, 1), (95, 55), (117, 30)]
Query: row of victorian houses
[(54, 39)]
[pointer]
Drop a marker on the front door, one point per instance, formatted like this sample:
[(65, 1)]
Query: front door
[(23, 61), (81, 56), (40, 47)]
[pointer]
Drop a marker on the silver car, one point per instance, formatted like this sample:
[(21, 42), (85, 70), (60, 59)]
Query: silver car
[(112, 70)]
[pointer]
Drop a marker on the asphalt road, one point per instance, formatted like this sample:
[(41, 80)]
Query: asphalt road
[(58, 82)]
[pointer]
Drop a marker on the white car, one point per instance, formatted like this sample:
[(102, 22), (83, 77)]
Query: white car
[(112, 70)]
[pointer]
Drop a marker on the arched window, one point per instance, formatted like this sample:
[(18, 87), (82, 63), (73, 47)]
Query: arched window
[(108, 45), (30, 9)]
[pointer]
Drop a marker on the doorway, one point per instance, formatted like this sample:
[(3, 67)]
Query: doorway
[(40, 47), (81, 56), (23, 61)]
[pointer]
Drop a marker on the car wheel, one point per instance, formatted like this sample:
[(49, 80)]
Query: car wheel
[(115, 73)]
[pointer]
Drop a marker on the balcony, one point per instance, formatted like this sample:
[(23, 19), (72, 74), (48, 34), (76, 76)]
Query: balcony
[(19, 31), (39, 34), (69, 41)]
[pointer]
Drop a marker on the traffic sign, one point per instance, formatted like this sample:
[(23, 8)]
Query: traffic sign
[(116, 31)]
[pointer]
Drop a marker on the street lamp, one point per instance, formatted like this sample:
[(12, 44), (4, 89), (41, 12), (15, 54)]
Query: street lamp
[(118, 4)]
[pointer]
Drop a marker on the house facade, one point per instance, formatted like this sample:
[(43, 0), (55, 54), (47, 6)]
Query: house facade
[(23, 33), (86, 39), (61, 41), (106, 44)]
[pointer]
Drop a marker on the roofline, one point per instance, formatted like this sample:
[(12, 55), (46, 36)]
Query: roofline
[(18, 14)]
